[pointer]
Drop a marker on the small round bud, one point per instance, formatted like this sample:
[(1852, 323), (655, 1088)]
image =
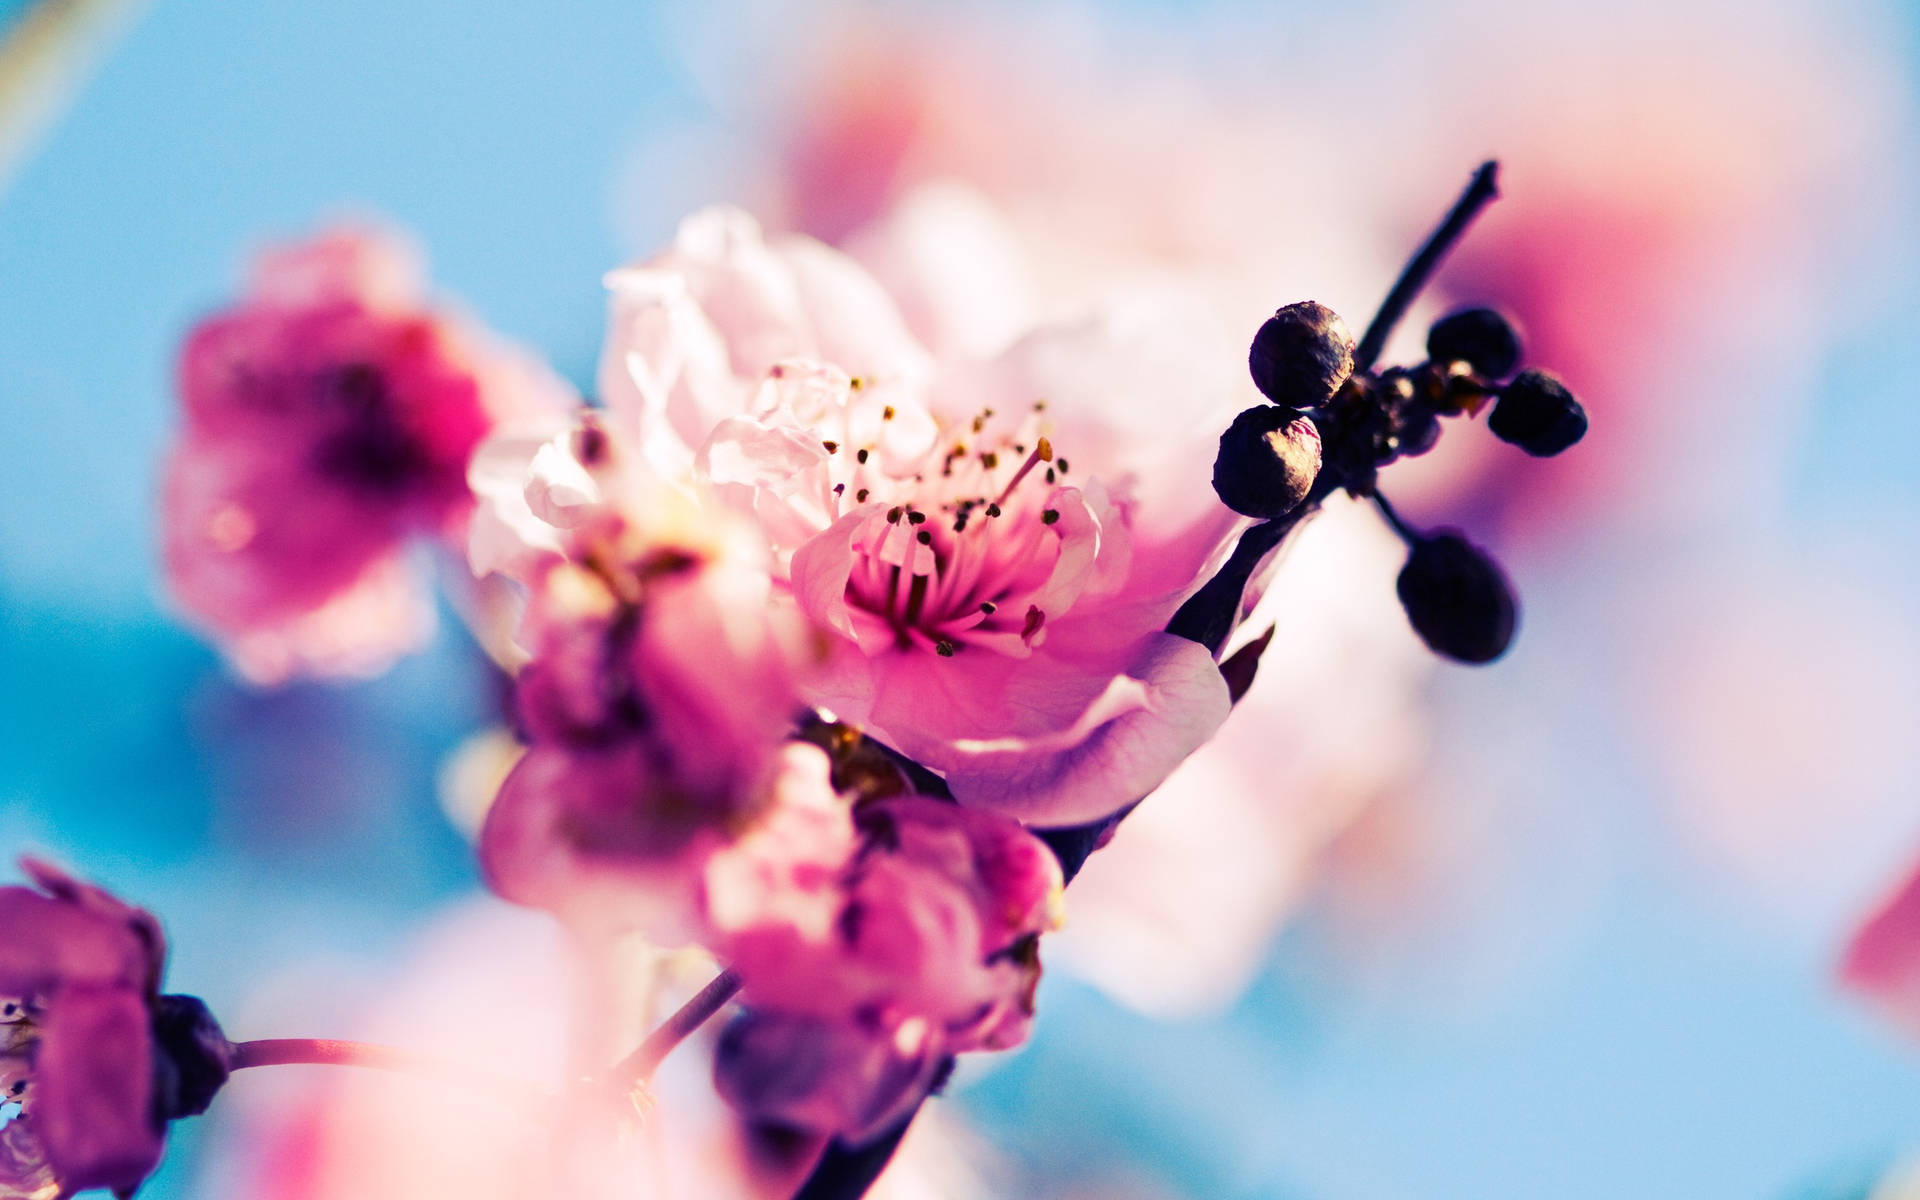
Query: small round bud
[(1268, 460), (1479, 337), (1457, 599), (192, 1057), (1416, 430), (1301, 355), (1537, 413)]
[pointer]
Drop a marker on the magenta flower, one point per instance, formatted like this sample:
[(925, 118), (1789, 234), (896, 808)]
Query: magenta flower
[(661, 688), (866, 979), (79, 1009), (329, 417), (995, 546)]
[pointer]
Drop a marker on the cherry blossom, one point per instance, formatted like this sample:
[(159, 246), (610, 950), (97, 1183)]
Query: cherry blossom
[(328, 419)]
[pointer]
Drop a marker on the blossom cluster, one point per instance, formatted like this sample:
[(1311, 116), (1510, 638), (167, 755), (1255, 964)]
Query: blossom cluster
[(836, 648)]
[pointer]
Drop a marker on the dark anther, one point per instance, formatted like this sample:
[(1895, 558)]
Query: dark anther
[(924, 538), (988, 607), (1301, 355), (1268, 460), (1537, 413), (1479, 337), (1457, 599), (832, 447), (943, 648), (860, 456), (1049, 516)]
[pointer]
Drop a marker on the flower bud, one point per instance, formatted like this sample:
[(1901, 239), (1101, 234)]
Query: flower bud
[(1268, 460), (1416, 430), (1457, 599), (1479, 337), (192, 1057), (1537, 413), (1301, 355)]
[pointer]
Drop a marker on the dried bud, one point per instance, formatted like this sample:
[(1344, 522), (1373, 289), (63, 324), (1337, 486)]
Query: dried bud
[(192, 1057), (1267, 463), (1479, 337), (1416, 430), (1457, 599), (1537, 413), (1301, 355)]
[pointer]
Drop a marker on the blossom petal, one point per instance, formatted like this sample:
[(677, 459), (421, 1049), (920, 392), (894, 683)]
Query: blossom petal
[(93, 1087), (1115, 750)]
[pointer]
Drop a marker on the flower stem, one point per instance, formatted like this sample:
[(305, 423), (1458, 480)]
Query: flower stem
[(329, 1052), (1483, 190), (638, 1067), (1408, 533)]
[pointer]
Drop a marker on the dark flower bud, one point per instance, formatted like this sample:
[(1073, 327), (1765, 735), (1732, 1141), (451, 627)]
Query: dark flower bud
[(1268, 460), (1301, 355), (192, 1057), (1479, 337), (1457, 599), (1416, 430), (1537, 413)]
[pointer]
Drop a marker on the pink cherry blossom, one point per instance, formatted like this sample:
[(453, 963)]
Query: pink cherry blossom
[(329, 417), (661, 687), (922, 945), (994, 544), (78, 971)]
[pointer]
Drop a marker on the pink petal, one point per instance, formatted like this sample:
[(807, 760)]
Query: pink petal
[(48, 941), (569, 832), (1119, 747), (93, 1087)]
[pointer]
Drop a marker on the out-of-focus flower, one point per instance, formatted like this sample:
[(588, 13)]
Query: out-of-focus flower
[(663, 681), (995, 544), (79, 1061), (1882, 961), (925, 946), (329, 417), (476, 971)]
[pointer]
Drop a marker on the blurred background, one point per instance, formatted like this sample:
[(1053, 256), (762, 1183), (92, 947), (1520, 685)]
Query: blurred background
[(1564, 926)]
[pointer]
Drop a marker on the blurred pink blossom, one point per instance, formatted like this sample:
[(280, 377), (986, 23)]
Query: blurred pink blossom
[(487, 986), (78, 972), (1882, 961), (329, 417), (927, 947), (662, 682)]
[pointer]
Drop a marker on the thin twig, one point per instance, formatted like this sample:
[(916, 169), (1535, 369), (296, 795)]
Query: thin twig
[(1408, 533), (330, 1052), (638, 1067), (1483, 190)]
